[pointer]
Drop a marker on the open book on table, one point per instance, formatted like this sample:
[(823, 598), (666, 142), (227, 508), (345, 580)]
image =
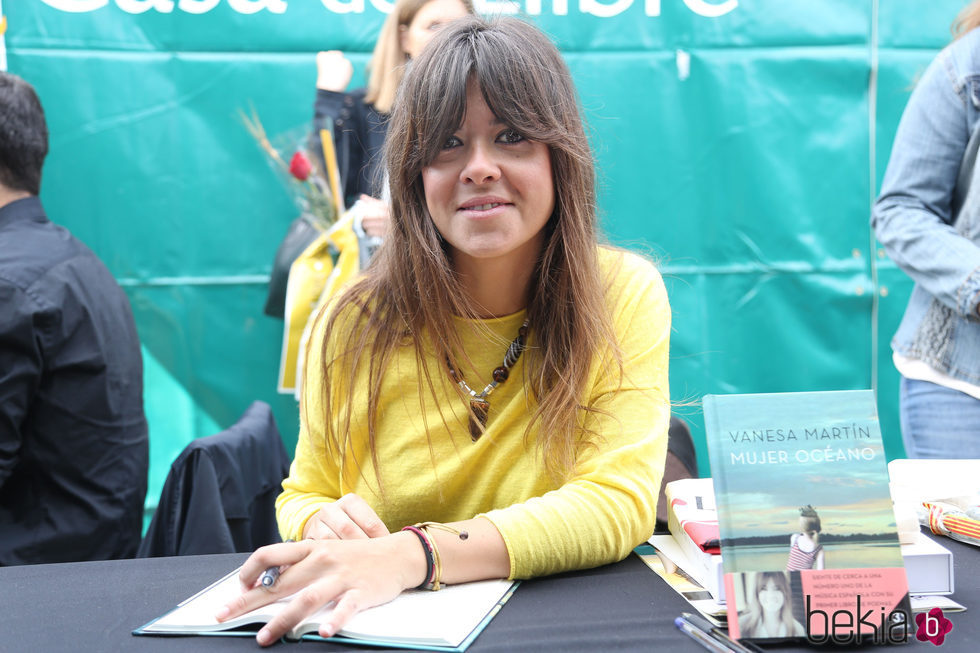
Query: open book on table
[(447, 620)]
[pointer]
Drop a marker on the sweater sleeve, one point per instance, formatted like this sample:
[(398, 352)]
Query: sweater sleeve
[(913, 216), (314, 474), (609, 504)]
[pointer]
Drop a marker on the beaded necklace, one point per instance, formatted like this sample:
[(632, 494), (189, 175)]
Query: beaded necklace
[(480, 403)]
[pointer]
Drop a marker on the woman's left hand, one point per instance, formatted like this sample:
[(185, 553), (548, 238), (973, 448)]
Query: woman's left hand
[(355, 574), (375, 215)]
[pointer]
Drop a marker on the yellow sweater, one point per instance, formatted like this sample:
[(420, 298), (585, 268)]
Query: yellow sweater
[(605, 508)]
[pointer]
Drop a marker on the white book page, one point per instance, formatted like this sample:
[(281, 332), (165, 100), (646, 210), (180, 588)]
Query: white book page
[(445, 617)]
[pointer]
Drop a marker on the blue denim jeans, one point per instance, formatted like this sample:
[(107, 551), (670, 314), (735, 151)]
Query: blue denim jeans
[(938, 422)]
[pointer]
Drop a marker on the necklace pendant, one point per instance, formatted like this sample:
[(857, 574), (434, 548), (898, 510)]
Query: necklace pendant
[(481, 409)]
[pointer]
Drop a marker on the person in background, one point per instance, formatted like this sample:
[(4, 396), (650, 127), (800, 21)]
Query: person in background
[(359, 119), (73, 436), (494, 388), (770, 612), (927, 218)]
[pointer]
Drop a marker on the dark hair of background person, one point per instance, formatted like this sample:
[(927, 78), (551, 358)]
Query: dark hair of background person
[(23, 135)]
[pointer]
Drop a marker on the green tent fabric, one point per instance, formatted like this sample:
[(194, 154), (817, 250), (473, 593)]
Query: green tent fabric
[(739, 142)]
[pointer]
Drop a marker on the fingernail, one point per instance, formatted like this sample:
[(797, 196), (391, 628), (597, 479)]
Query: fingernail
[(222, 612), (263, 637)]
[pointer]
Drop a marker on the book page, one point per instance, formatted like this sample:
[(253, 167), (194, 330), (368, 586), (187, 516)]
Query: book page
[(443, 618), (196, 614)]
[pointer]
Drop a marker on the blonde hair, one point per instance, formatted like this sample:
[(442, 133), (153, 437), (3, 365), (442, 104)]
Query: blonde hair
[(528, 87), (967, 19), (387, 65)]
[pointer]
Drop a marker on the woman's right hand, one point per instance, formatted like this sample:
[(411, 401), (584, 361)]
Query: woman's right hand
[(333, 71), (355, 575), (348, 518)]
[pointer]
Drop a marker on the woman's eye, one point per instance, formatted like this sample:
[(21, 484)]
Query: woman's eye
[(510, 136), (451, 142)]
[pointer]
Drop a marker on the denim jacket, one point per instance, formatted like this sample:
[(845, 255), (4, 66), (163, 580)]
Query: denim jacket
[(928, 214)]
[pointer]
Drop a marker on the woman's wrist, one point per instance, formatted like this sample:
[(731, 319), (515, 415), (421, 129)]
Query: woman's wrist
[(408, 549)]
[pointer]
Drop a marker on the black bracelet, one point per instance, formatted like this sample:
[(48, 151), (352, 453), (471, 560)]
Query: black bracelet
[(430, 563)]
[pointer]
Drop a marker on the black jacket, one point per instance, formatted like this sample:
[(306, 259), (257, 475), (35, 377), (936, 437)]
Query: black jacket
[(358, 135), (220, 494), (73, 436)]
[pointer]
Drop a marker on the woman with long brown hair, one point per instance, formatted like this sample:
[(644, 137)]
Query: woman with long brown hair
[(497, 383), (928, 220), (770, 608)]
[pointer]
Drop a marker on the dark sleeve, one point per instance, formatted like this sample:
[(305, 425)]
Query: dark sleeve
[(338, 113), (20, 372)]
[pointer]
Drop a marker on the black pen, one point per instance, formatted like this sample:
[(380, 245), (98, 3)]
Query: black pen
[(270, 575), (719, 635)]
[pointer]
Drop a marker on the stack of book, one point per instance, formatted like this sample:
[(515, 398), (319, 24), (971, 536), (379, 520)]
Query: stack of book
[(693, 525)]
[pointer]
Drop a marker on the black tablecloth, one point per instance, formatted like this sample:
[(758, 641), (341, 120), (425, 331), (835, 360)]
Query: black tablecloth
[(94, 606)]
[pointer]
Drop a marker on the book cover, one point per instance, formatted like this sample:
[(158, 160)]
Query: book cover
[(446, 620), (808, 535)]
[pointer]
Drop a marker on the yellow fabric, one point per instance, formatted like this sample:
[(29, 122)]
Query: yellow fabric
[(313, 279), (597, 516)]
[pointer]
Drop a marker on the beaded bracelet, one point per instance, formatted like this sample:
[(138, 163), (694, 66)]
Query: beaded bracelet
[(430, 566)]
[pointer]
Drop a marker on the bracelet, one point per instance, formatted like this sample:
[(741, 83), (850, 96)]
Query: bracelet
[(427, 548), (435, 581)]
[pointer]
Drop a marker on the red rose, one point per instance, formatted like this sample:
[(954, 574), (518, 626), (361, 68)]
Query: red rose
[(300, 166)]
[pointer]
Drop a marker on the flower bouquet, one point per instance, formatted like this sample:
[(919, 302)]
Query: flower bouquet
[(292, 157)]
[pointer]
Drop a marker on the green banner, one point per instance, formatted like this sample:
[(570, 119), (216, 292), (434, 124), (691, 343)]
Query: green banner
[(739, 142)]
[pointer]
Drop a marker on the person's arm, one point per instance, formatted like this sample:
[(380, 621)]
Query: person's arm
[(341, 113), (913, 216), (313, 483), (608, 506), (599, 515), (818, 563), (20, 373), (360, 573)]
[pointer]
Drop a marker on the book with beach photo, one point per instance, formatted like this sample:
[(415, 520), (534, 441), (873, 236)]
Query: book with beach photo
[(808, 535)]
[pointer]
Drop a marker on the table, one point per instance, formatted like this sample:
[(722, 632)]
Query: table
[(94, 606)]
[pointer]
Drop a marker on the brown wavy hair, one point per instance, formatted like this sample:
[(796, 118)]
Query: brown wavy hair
[(387, 64), (967, 19), (410, 294)]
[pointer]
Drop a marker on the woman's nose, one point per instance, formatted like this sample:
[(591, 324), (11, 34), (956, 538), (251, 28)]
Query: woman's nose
[(481, 166)]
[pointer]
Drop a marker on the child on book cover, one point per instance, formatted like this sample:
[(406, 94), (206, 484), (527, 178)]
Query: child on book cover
[(770, 608), (805, 550)]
